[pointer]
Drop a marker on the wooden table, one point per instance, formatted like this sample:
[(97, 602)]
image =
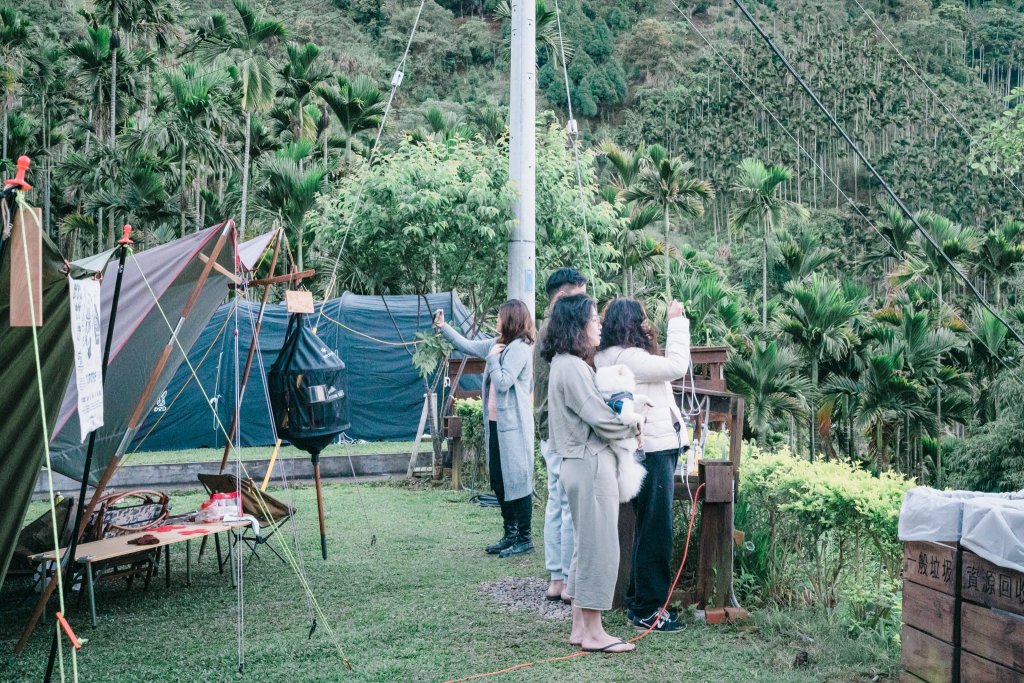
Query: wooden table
[(116, 547)]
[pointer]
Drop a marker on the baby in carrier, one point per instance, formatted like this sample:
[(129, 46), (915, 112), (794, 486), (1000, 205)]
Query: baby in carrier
[(617, 386)]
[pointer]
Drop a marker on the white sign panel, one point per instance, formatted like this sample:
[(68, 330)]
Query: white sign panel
[(85, 334)]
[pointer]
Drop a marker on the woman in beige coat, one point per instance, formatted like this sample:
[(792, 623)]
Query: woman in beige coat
[(627, 338), (581, 428)]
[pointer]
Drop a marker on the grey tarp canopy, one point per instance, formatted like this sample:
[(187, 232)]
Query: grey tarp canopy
[(385, 390), (21, 429), (141, 333)]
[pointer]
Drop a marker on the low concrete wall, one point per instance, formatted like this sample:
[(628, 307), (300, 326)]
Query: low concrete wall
[(300, 470)]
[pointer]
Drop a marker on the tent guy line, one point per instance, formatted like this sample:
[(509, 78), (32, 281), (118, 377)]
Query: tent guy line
[(284, 546), (22, 205)]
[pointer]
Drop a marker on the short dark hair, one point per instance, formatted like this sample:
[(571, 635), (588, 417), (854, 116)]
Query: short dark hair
[(625, 324), (516, 322), (564, 277), (567, 328)]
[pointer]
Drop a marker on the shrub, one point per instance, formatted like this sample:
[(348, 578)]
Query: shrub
[(813, 528)]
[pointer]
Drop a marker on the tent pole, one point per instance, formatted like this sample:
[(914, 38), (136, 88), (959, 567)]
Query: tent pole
[(249, 358), (133, 424), (67, 561)]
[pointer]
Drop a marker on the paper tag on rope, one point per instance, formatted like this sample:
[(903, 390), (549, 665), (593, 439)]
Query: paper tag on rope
[(85, 335), (299, 301)]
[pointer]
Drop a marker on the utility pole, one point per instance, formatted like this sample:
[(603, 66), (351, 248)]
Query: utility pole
[(522, 155)]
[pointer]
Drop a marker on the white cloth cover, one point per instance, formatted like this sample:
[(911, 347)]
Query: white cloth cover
[(994, 529), (936, 516)]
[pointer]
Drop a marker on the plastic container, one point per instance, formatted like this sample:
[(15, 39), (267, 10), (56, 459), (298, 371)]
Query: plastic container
[(227, 503), (208, 512)]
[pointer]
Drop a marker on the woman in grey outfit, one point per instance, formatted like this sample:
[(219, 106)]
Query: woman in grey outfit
[(508, 418), (581, 427)]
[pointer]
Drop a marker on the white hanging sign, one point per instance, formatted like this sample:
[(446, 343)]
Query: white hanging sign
[(85, 334)]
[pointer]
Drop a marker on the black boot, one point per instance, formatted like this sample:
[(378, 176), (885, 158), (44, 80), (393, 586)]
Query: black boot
[(506, 541), (523, 544)]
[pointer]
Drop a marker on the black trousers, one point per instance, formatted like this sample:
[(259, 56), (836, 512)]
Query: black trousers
[(520, 510), (650, 575)]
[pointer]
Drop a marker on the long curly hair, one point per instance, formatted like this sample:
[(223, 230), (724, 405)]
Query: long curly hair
[(625, 324), (567, 328)]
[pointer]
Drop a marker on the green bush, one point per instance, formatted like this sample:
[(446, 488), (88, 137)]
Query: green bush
[(814, 529), (471, 411)]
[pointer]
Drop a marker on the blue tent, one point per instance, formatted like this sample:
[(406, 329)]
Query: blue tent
[(370, 333)]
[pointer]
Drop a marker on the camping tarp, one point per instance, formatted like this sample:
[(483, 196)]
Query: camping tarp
[(368, 332), (21, 428), (171, 271)]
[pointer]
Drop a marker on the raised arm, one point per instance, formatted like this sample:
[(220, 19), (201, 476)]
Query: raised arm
[(477, 348), (504, 368), (582, 398), (651, 368)]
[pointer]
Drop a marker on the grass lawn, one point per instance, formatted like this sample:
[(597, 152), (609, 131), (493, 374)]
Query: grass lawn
[(264, 452), (409, 608)]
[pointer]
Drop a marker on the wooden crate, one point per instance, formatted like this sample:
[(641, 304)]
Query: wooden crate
[(990, 585), (992, 621), (974, 669), (928, 658), (993, 634), (930, 611), (934, 565)]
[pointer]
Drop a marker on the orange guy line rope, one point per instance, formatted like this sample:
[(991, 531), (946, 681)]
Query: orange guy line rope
[(581, 653)]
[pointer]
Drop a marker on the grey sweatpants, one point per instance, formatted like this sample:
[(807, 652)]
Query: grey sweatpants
[(592, 488)]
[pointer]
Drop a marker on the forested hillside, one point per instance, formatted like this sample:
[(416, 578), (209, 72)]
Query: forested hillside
[(853, 337)]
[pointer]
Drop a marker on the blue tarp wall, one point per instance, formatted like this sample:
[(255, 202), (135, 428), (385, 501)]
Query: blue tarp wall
[(368, 332)]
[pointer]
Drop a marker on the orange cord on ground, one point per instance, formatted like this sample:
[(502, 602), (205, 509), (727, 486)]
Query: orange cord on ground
[(581, 653)]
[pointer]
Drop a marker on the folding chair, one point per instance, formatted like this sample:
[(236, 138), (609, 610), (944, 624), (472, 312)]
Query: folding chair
[(37, 537), (270, 512), (123, 513)]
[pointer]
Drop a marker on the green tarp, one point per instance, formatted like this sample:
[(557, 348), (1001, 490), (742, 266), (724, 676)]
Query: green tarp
[(21, 425)]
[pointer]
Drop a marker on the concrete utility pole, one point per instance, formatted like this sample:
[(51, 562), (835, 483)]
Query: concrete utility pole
[(522, 253)]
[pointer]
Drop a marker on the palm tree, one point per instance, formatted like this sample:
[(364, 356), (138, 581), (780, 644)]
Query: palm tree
[(666, 183), (300, 76), (92, 57), (184, 126), (818, 318), (246, 47), (13, 36), (357, 104), (758, 203), (957, 242), (626, 164), (288, 190), (770, 382), (802, 257), (999, 254), (989, 351), (546, 29)]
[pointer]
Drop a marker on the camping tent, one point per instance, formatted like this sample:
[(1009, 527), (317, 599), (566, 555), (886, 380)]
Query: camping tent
[(21, 429), (157, 287), (370, 333)]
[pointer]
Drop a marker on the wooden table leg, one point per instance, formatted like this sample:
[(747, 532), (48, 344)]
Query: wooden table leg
[(220, 562), (92, 594)]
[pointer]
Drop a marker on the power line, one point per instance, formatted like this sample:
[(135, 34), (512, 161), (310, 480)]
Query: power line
[(934, 94), (899, 255), (885, 185)]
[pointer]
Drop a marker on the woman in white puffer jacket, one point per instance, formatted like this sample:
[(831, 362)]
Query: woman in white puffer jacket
[(627, 338)]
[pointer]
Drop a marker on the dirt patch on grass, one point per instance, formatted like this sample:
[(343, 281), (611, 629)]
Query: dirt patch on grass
[(525, 595)]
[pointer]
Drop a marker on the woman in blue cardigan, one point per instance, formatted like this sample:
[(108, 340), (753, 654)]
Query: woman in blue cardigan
[(508, 418)]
